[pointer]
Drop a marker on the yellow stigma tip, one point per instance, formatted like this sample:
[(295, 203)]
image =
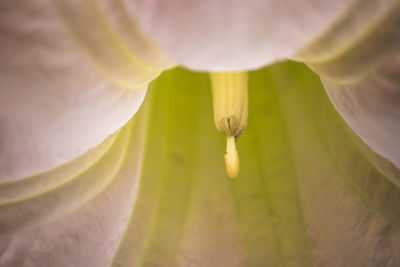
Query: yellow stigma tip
[(231, 158)]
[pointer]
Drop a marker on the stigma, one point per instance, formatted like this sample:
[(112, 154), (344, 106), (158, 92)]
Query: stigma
[(231, 157)]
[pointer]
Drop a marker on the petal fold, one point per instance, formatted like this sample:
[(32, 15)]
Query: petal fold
[(371, 107), (354, 45), (234, 35), (72, 73), (77, 224)]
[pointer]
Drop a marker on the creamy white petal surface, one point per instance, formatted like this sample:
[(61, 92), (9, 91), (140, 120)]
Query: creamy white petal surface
[(234, 35), (372, 107), (80, 223), (358, 60), (68, 80)]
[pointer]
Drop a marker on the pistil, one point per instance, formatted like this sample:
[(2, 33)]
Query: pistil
[(230, 103)]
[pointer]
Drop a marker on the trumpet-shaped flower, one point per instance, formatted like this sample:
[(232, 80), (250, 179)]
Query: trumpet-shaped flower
[(110, 155)]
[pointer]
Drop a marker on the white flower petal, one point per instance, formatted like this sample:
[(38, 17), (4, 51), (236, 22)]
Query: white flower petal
[(34, 185), (357, 43), (358, 60), (234, 35), (78, 224), (371, 107), (55, 103)]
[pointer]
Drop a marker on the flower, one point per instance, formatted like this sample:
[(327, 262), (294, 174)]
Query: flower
[(78, 190)]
